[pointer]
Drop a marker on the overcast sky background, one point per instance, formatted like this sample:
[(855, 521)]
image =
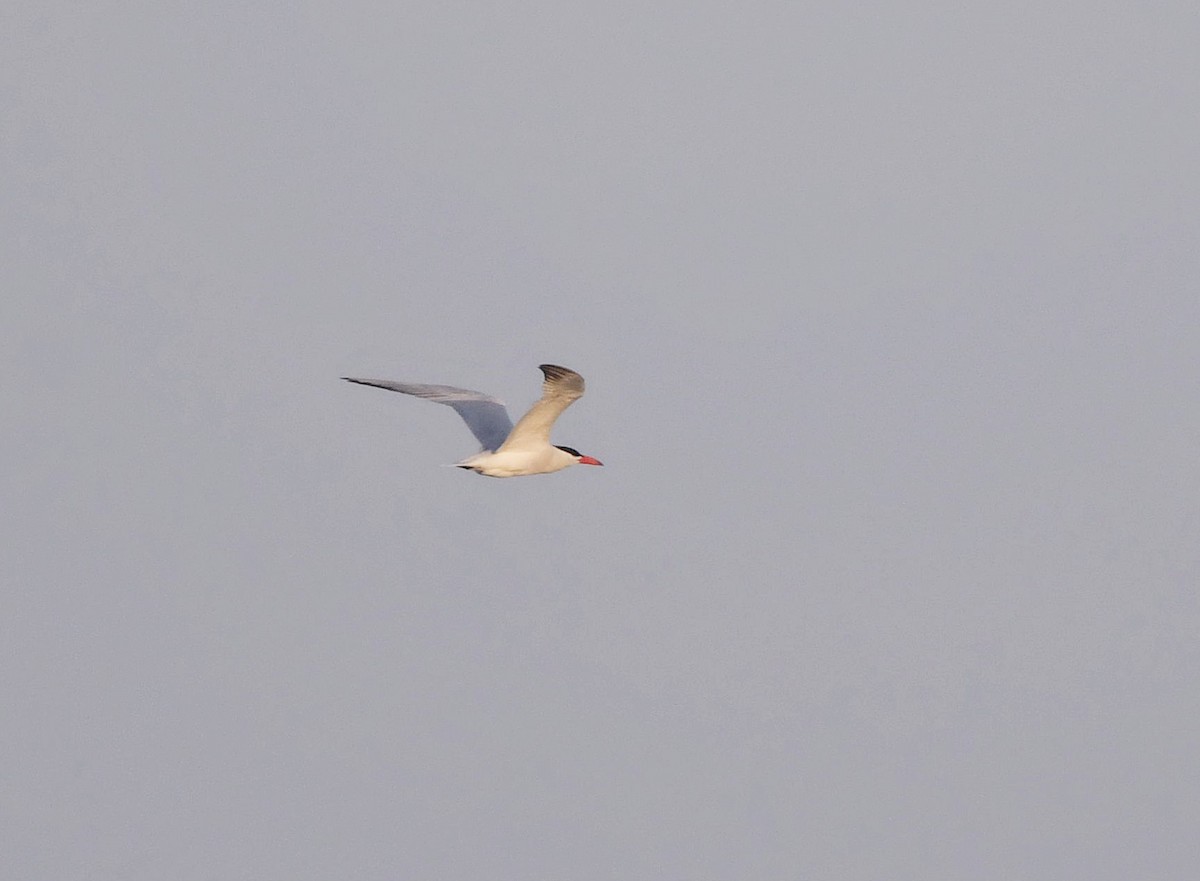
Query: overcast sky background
[(890, 320)]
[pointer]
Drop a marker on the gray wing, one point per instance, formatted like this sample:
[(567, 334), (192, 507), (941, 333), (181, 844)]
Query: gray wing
[(560, 389), (484, 415)]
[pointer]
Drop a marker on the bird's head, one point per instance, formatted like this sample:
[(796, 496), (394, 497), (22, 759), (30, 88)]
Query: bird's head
[(580, 458)]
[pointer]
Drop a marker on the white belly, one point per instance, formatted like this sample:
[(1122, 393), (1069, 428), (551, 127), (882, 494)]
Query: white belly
[(518, 463)]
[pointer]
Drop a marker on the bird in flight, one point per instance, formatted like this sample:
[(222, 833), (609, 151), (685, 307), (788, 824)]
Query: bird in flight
[(508, 450)]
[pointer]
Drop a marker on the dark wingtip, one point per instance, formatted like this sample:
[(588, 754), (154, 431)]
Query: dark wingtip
[(563, 376)]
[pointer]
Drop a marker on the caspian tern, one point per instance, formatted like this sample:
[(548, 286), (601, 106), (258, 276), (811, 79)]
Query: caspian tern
[(508, 451)]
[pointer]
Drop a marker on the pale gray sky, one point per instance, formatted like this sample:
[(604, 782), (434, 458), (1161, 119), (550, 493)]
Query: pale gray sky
[(890, 321)]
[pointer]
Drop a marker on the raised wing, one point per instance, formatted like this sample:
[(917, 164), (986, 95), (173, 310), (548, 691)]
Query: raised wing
[(484, 415), (560, 389)]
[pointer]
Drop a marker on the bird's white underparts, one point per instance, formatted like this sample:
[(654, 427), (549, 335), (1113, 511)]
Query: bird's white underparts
[(508, 450)]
